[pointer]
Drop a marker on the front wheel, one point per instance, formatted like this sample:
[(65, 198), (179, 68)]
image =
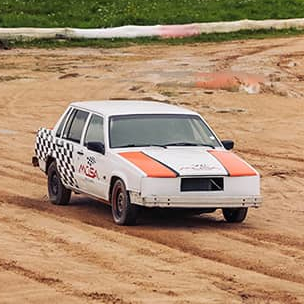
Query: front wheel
[(235, 215), (58, 193), (123, 212)]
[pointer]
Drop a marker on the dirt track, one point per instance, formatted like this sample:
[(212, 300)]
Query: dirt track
[(51, 254)]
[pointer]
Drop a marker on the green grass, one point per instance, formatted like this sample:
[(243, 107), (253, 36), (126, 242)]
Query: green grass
[(109, 13)]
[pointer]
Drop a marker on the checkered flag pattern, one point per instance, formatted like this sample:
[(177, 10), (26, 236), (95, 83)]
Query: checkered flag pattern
[(47, 145), (91, 160), (44, 143)]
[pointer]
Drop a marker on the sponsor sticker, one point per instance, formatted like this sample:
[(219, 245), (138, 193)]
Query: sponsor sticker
[(199, 167), (88, 169)]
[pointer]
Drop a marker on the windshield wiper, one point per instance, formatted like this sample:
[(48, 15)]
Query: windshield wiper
[(189, 144), (154, 145), (181, 144)]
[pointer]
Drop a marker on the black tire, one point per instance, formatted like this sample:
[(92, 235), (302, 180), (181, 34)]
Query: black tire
[(123, 212), (235, 215), (58, 193)]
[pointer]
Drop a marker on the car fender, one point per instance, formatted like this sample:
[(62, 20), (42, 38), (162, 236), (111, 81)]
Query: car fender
[(130, 175)]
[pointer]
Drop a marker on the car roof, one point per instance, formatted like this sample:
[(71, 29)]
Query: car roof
[(125, 107)]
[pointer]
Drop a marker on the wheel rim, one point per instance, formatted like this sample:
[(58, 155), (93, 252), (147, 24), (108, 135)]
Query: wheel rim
[(119, 203), (54, 184)]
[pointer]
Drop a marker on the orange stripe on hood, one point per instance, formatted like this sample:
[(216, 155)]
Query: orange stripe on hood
[(147, 164), (232, 163)]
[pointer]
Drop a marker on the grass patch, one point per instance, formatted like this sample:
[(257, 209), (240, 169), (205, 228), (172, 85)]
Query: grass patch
[(110, 13), (119, 42)]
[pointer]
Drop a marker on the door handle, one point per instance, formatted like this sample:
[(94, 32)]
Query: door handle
[(80, 153)]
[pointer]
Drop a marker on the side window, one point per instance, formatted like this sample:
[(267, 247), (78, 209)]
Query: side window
[(95, 130), (59, 130), (75, 124)]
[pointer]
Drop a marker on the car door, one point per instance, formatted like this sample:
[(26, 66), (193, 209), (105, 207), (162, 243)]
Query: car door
[(94, 167), (73, 155)]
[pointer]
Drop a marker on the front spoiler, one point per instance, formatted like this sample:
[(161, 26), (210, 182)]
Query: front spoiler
[(197, 201)]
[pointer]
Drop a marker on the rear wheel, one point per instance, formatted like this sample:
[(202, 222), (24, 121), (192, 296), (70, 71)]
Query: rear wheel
[(58, 193), (235, 215), (123, 212)]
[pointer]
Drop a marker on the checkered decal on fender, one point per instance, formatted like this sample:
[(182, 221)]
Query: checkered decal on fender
[(48, 145), (44, 144)]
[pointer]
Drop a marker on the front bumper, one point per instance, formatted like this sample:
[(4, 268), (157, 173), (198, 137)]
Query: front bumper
[(196, 201)]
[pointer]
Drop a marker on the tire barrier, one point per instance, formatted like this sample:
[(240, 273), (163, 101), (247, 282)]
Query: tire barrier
[(162, 31)]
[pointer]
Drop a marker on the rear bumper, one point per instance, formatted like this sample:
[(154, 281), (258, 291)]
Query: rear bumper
[(196, 201)]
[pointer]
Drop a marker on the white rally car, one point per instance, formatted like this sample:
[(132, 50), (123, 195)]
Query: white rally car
[(137, 153)]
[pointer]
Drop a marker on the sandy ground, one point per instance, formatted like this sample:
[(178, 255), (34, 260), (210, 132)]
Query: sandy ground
[(75, 254)]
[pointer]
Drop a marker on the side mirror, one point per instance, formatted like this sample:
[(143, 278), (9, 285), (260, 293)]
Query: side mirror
[(228, 144), (96, 146)]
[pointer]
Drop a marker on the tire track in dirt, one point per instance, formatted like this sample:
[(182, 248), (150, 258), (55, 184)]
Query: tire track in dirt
[(99, 259), (81, 252), (284, 61), (218, 256), (17, 163), (266, 240), (162, 237), (263, 154), (11, 265), (252, 49), (12, 109), (227, 61), (224, 282), (255, 295), (15, 174), (76, 250), (57, 284)]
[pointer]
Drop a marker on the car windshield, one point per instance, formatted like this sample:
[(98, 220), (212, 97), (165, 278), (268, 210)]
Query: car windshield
[(159, 130)]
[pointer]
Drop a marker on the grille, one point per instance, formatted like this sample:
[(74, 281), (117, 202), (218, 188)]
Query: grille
[(202, 184)]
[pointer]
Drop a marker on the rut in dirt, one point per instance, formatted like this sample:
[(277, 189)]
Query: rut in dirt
[(174, 232)]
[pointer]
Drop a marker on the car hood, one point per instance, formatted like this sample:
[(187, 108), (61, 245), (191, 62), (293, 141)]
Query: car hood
[(187, 161)]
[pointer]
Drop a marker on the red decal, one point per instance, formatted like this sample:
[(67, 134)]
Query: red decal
[(147, 164), (88, 171), (232, 163)]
